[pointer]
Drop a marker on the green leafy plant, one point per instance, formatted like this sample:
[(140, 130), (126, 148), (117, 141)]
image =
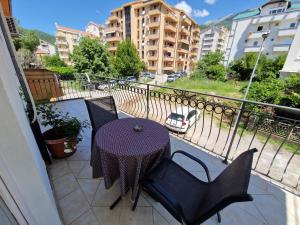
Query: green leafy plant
[(53, 61), (62, 124)]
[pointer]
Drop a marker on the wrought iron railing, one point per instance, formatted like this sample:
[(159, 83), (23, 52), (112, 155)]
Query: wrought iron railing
[(222, 125)]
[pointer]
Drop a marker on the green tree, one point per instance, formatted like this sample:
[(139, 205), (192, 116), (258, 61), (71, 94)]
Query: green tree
[(127, 61), (92, 57), (29, 41), (291, 91), (211, 67), (53, 61), (241, 69)]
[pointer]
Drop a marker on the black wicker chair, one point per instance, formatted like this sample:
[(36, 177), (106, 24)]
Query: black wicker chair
[(101, 111), (192, 201)]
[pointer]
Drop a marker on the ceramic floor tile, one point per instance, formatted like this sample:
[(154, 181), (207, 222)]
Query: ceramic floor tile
[(73, 206), (87, 218), (86, 172), (158, 219), (104, 197), (76, 166), (58, 168), (80, 155), (89, 188), (65, 185), (105, 216), (141, 216)]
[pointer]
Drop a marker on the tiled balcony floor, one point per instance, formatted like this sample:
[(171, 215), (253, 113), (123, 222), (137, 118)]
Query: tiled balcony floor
[(84, 201)]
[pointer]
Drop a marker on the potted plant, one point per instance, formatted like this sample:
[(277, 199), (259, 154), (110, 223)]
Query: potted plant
[(64, 132)]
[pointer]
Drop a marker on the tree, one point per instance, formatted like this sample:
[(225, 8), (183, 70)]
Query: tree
[(29, 41), (127, 61), (211, 67), (53, 61), (91, 57), (241, 69)]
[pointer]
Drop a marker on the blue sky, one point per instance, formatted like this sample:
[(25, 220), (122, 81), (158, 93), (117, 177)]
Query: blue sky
[(37, 14)]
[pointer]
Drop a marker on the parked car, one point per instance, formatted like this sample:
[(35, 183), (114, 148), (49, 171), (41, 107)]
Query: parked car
[(172, 78), (149, 75), (128, 79), (105, 86), (183, 73), (182, 119)]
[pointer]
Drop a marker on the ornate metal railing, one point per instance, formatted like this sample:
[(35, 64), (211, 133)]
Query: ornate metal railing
[(222, 125)]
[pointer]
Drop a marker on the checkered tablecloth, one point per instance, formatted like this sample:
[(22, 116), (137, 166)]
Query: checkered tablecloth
[(121, 152)]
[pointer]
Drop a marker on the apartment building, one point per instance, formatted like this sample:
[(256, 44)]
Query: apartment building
[(213, 39), (45, 49), (10, 20), (279, 18), (166, 38), (67, 38)]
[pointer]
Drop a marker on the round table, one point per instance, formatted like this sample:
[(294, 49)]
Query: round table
[(121, 152)]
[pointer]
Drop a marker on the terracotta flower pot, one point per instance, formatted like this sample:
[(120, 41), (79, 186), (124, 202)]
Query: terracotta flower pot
[(56, 143)]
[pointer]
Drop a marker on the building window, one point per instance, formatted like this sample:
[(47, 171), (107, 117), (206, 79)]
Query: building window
[(260, 28), (255, 43), (292, 25)]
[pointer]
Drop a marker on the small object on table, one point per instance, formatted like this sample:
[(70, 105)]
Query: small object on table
[(127, 149)]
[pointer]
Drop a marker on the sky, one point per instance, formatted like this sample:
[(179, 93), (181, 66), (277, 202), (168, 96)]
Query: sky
[(42, 14)]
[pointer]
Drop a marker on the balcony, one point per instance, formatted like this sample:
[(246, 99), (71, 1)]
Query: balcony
[(152, 47), (287, 32), (110, 30), (168, 48), (153, 24), (63, 50), (254, 35), (152, 58), (154, 12), (168, 67), (170, 39), (169, 27), (112, 48), (113, 39), (113, 18), (82, 198), (168, 58), (152, 68), (184, 31), (185, 41), (252, 49), (61, 42), (153, 36), (281, 48), (182, 50), (171, 16), (186, 20)]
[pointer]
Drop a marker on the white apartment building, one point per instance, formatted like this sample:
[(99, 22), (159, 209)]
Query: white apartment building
[(45, 49), (213, 39), (280, 18), (67, 38)]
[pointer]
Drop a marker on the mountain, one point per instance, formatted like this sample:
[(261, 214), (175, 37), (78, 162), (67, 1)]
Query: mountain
[(225, 21), (40, 34)]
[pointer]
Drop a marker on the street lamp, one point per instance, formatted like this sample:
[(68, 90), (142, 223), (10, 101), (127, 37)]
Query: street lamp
[(239, 116)]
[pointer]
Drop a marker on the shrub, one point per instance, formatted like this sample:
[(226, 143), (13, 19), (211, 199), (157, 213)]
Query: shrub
[(291, 91), (53, 61), (65, 72)]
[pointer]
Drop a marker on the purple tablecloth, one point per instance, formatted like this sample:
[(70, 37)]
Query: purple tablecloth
[(121, 152)]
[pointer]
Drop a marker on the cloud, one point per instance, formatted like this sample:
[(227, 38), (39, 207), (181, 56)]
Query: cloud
[(183, 5), (210, 2), (200, 13)]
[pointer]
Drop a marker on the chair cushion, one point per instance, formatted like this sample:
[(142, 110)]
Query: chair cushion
[(188, 190)]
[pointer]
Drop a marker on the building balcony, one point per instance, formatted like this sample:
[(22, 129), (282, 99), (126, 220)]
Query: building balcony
[(168, 67), (153, 24), (281, 48), (287, 32), (152, 68), (82, 198), (171, 16), (184, 31), (254, 35), (113, 18), (112, 48), (169, 27), (170, 39), (114, 39), (154, 12), (185, 41), (153, 36), (110, 30), (168, 48), (152, 58), (152, 47), (168, 58), (194, 53), (182, 50), (61, 42), (63, 50), (186, 20), (252, 49)]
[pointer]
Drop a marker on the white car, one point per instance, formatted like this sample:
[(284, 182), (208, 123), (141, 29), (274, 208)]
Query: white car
[(181, 119), (106, 86)]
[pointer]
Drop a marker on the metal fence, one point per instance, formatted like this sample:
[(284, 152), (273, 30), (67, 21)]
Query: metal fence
[(222, 125)]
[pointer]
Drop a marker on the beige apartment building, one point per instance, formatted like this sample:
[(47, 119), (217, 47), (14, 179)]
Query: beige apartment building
[(213, 39), (166, 38), (67, 38)]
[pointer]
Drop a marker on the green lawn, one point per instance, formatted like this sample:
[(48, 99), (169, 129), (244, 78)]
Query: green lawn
[(228, 88)]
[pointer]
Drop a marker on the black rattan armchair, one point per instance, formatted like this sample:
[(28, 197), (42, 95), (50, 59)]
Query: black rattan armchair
[(192, 201), (101, 111)]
